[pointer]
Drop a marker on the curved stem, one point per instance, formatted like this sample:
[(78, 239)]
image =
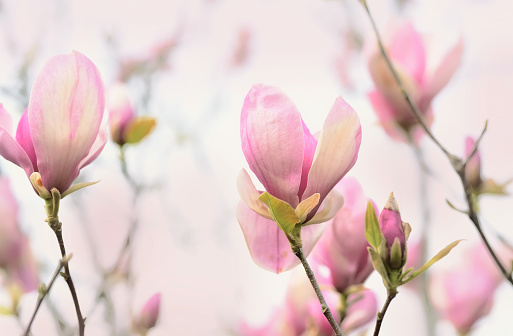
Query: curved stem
[(381, 315), (457, 163), (69, 281), (325, 309), (63, 262)]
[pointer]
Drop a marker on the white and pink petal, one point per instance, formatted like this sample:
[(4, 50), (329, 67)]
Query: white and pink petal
[(273, 143)]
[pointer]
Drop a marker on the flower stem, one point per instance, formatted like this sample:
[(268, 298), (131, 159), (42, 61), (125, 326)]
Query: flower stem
[(69, 281), (381, 315), (457, 163), (298, 251), (63, 262), (52, 211)]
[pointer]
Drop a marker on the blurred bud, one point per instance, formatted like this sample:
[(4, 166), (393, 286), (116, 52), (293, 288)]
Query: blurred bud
[(392, 229), (125, 126), (473, 168), (149, 314)]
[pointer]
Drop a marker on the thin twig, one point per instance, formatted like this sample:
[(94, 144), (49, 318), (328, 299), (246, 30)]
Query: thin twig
[(381, 315), (71, 285), (63, 262), (325, 309), (457, 163)]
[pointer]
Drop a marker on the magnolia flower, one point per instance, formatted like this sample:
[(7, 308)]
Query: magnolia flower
[(343, 245), (292, 165), (407, 52), (465, 293), (59, 133)]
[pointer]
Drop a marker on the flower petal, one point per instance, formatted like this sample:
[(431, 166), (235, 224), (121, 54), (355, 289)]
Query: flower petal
[(407, 49), (268, 245), (24, 138), (443, 73), (65, 111), (96, 149), (250, 194), (5, 119), (336, 151), (273, 142), (310, 146), (13, 152)]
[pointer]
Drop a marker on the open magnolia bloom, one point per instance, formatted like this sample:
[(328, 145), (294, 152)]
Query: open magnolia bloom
[(293, 166), (59, 133), (407, 51)]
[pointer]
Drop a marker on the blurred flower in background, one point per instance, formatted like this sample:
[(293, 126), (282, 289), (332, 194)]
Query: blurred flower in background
[(407, 51)]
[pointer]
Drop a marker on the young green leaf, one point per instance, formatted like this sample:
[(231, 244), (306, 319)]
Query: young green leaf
[(372, 231), (433, 260), (379, 266), (281, 212), (138, 129)]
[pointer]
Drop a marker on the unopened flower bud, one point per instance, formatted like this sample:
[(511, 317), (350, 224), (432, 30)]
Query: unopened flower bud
[(149, 314), (393, 231), (473, 168)]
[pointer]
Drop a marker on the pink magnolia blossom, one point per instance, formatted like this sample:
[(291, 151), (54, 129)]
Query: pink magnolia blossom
[(59, 133), (407, 52), (291, 165), (465, 293), (343, 246)]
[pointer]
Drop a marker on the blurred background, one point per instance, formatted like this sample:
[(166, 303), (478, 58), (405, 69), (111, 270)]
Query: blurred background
[(189, 64)]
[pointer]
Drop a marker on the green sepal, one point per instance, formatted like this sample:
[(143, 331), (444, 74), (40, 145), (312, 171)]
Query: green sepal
[(281, 212), (445, 251), (76, 187), (372, 230), (379, 266), (139, 129)]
